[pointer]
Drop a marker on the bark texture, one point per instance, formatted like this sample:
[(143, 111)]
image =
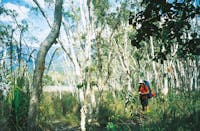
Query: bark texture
[(40, 66)]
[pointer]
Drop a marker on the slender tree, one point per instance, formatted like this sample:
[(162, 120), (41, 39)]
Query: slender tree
[(40, 66)]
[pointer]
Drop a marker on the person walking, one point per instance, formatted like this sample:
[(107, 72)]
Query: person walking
[(144, 92)]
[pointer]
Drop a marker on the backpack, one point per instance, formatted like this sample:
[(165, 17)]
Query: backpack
[(148, 85)]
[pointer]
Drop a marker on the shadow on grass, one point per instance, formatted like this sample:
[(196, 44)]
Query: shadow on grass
[(189, 123)]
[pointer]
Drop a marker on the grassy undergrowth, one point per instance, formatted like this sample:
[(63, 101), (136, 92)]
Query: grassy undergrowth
[(117, 112), (123, 112), (56, 111), (177, 112)]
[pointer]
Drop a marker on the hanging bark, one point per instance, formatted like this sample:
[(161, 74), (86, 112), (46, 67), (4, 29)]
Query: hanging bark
[(40, 66)]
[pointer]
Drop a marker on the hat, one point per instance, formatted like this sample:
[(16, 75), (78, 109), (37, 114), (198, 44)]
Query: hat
[(141, 81)]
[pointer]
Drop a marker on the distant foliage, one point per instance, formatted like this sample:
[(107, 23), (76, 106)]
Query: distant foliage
[(47, 80)]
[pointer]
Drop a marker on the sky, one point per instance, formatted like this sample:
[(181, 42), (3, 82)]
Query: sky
[(38, 27)]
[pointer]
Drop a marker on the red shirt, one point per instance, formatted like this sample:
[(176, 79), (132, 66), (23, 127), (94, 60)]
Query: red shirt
[(143, 89)]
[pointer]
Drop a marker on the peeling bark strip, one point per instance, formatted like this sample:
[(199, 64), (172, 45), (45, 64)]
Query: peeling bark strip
[(40, 63)]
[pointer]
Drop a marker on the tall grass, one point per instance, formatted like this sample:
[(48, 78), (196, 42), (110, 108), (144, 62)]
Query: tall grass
[(122, 111), (178, 111), (55, 110)]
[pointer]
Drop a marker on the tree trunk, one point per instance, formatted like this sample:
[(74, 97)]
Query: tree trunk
[(11, 52), (40, 66), (19, 49), (157, 80), (83, 110)]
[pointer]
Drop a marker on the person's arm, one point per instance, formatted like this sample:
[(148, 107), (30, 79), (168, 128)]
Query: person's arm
[(139, 90)]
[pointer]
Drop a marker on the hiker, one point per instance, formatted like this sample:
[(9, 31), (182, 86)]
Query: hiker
[(144, 92)]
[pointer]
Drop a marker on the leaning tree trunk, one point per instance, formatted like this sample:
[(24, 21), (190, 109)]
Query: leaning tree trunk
[(40, 66)]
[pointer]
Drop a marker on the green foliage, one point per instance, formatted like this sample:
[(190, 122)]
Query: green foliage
[(69, 104), (46, 109), (82, 85), (47, 80), (100, 10), (169, 23), (115, 19), (177, 112), (124, 12), (72, 15), (19, 100), (53, 109), (111, 109), (111, 127), (112, 20)]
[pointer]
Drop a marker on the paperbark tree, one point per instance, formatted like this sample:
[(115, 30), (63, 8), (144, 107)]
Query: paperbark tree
[(40, 66)]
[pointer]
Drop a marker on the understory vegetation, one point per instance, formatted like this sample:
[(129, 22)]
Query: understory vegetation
[(177, 111)]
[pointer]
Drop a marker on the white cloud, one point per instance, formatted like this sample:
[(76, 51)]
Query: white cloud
[(30, 2), (5, 18), (21, 10)]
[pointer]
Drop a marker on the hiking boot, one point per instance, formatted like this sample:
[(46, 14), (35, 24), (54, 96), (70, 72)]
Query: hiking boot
[(148, 110)]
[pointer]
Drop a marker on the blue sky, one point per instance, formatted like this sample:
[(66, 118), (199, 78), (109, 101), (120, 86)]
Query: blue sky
[(38, 27), (20, 2)]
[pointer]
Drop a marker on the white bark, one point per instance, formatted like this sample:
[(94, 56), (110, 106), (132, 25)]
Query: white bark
[(176, 78), (123, 55), (82, 14), (86, 17), (126, 54), (4, 55), (191, 74), (165, 77), (157, 80), (195, 74), (83, 117)]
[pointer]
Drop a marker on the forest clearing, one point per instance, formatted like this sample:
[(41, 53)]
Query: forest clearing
[(99, 65)]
